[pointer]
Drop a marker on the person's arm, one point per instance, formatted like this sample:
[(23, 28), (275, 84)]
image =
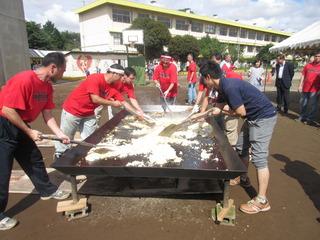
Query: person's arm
[(301, 83), (291, 70), (52, 124), (204, 104), (101, 101), (169, 89), (12, 115)]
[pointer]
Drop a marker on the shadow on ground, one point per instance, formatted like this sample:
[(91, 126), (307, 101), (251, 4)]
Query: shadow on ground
[(306, 176)]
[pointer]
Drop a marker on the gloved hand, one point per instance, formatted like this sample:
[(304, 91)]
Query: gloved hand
[(195, 108)]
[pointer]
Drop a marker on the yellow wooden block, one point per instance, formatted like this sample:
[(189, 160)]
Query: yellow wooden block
[(69, 205)]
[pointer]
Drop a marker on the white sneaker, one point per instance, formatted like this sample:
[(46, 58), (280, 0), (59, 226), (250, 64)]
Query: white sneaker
[(8, 223), (59, 195)]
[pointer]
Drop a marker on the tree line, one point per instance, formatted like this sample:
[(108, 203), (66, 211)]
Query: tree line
[(157, 35), (48, 37)]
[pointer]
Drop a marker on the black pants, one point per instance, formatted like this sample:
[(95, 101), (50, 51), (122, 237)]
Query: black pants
[(283, 98), (14, 143)]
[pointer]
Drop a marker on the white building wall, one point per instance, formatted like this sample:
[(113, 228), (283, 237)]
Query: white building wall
[(97, 24)]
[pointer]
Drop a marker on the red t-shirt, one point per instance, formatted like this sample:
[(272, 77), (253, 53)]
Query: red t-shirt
[(166, 77), (201, 87), (311, 73), (229, 73), (26, 93), (124, 88), (192, 68), (79, 102)]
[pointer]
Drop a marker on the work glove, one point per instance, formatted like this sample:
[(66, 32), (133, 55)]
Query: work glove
[(195, 108)]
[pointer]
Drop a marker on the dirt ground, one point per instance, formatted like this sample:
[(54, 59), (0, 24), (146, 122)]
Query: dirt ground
[(294, 194)]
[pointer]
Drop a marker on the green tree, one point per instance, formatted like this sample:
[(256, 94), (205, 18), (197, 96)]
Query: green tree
[(71, 40), (36, 38), (208, 46), (156, 36), (180, 46), (234, 51), (55, 41), (264, 55)]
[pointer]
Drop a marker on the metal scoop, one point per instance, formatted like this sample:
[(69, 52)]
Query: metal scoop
[(172, 128)]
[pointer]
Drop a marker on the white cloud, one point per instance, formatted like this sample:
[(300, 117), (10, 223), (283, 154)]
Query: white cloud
[(63, 20), (290, 15)]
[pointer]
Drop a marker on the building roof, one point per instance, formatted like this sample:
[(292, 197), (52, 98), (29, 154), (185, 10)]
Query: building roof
[(176, 13), (306, 39), (38, 53)]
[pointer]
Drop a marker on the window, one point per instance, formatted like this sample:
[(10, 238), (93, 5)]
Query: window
[(233, 32), (117, 38), (223, 30), (166, 21), (258, 49), (210, 29), (242, 48), (252, 35), (259, 36), (143, 15), (243, 33), (196, 27), (250, 49), (267, 38), (273, 38), (182, 25), (121, 16)]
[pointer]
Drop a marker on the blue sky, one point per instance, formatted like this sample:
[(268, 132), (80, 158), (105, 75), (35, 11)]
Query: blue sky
[(287, 15)]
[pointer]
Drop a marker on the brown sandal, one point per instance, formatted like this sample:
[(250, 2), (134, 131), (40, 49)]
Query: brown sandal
[(235, 181)]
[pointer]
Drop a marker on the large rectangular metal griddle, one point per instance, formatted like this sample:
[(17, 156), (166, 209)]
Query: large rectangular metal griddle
[(72, 162)]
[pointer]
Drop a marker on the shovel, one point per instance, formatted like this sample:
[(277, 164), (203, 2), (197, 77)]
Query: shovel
[(172, 128), (164, 98), (82, 143), (146, 118)]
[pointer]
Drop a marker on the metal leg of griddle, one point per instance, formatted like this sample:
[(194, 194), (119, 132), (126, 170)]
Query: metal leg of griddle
[(225, 213), (75, 208), (74, 190)]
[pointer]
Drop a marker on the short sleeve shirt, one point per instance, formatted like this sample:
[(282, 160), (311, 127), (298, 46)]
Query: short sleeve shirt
[(311, 73), (125, 88), (166, 76), (27, 94), (192, 69), (236, 93), (79, 101)]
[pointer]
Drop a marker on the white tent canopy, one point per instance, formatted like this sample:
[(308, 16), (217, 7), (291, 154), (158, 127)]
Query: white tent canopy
[(308, 38)]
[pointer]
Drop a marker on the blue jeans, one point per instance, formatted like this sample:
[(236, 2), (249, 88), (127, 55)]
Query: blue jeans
[(14, 143), (306, 98), (192, 94), (70, 124)]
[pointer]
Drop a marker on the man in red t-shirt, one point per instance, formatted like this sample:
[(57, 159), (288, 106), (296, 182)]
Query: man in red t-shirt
[(79, 108), (228, 68), (126, 88), (309, 87), (22, 99), (165, 77), (192, 80)]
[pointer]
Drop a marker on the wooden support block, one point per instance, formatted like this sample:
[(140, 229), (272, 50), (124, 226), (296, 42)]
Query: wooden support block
[(225, 210), (224, 215), (69, 205)]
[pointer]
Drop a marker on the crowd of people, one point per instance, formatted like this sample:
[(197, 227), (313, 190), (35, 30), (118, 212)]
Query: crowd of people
[(220, 89)]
